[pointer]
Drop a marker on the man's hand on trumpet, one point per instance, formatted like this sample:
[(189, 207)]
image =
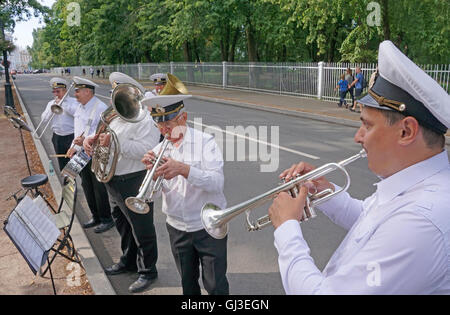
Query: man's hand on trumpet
[(285, 208), (315, 186), (170, 168)]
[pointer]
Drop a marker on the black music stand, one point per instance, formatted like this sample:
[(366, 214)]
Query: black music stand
[(33, 233), (18, 123)]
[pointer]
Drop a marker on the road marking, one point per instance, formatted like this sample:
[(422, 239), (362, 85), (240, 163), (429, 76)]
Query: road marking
[(249, 138), (256, 140)]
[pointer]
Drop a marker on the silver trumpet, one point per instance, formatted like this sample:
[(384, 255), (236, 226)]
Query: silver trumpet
[(215, 220), (149, 187), (56, 109)]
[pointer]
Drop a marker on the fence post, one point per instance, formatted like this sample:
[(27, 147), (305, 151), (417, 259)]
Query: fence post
[(171, 67), (320, 81), (224, 74), (139, 71)]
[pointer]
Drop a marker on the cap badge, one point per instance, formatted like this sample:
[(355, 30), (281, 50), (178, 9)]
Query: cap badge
[(159, 109)]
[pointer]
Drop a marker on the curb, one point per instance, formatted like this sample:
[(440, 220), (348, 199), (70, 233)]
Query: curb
[(284, 111), (94, 272)]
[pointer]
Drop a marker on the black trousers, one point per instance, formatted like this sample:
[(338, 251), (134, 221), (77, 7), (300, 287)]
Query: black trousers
[(192, 249), (96, 195), (137, 231), (62, 145)]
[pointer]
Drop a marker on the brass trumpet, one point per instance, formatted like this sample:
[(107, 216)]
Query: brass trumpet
[(215, 220), (149, 187)]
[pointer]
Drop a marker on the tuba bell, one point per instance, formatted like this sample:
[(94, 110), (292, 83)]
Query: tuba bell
[(126, 104), (173, 86), (126, 101)]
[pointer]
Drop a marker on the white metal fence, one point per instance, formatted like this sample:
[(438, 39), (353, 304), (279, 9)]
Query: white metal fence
[(315, 80)]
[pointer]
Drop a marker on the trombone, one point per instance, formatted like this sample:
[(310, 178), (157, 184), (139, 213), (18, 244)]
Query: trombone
[(56, 109), (215, 220)]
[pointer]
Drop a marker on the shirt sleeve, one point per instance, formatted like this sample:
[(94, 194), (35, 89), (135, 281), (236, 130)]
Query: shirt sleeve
[(208, 175), (342, 209), (71, 106), (142, 140), (405, 255), (47, 112)]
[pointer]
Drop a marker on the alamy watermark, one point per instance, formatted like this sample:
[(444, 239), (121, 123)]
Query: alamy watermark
[(236, 143), (374, 17), (74, 16)]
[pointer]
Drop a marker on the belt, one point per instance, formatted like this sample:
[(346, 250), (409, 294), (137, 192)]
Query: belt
[(127, 176)]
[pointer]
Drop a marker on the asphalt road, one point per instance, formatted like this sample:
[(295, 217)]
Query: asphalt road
[(252, 257)]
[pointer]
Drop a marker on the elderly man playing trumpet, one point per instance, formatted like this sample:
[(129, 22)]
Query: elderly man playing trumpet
[(193, 175)]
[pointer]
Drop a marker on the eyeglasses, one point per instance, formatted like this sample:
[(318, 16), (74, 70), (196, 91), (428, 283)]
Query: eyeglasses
[(171, 123)]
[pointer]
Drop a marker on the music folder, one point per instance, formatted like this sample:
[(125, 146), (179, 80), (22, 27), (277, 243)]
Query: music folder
[(32, 232)]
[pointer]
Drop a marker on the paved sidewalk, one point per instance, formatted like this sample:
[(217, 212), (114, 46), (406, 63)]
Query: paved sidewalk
[(16, 277)]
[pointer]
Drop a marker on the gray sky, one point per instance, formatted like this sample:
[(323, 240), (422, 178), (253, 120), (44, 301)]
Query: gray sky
[(23, 30)]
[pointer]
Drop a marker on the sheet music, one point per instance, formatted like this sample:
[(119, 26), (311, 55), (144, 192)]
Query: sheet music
[(25, 242), (40, 225), (32, 232), (42, 205)]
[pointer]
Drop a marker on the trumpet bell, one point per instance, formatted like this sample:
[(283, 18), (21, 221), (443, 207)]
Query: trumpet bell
[(126, 101), (210, 216), (137, 205), (174, 86)]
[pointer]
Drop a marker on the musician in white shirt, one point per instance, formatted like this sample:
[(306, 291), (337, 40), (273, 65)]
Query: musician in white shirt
[(193, 172), (137, 231), (86, 120), (62, 124), (399, 238)]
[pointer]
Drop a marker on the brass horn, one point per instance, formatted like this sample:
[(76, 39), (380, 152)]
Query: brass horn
[(149, 187), (126, 101), (104, 159), (173, 86), (56, 109), (215, 220)]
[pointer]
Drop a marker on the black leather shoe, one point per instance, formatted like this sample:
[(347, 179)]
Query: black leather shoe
[(118, 269), (142, 283), (91, 223), (104, 227)]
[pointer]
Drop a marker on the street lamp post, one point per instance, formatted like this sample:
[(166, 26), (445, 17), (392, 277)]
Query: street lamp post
[(9, 101)]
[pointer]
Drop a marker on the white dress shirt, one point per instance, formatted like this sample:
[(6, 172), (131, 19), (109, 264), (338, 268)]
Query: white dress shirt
[(183, 198), (62, 124), (87, 117), (135, 139), (398, 243)]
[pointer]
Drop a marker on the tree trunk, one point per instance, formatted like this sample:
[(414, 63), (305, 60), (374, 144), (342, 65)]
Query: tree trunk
[(251, 43), (233, 45), (385, 18)]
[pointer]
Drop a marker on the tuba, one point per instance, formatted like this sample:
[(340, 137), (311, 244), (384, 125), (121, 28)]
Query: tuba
[(126, 104), (104, 159), (215, 220), (173, 86)]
